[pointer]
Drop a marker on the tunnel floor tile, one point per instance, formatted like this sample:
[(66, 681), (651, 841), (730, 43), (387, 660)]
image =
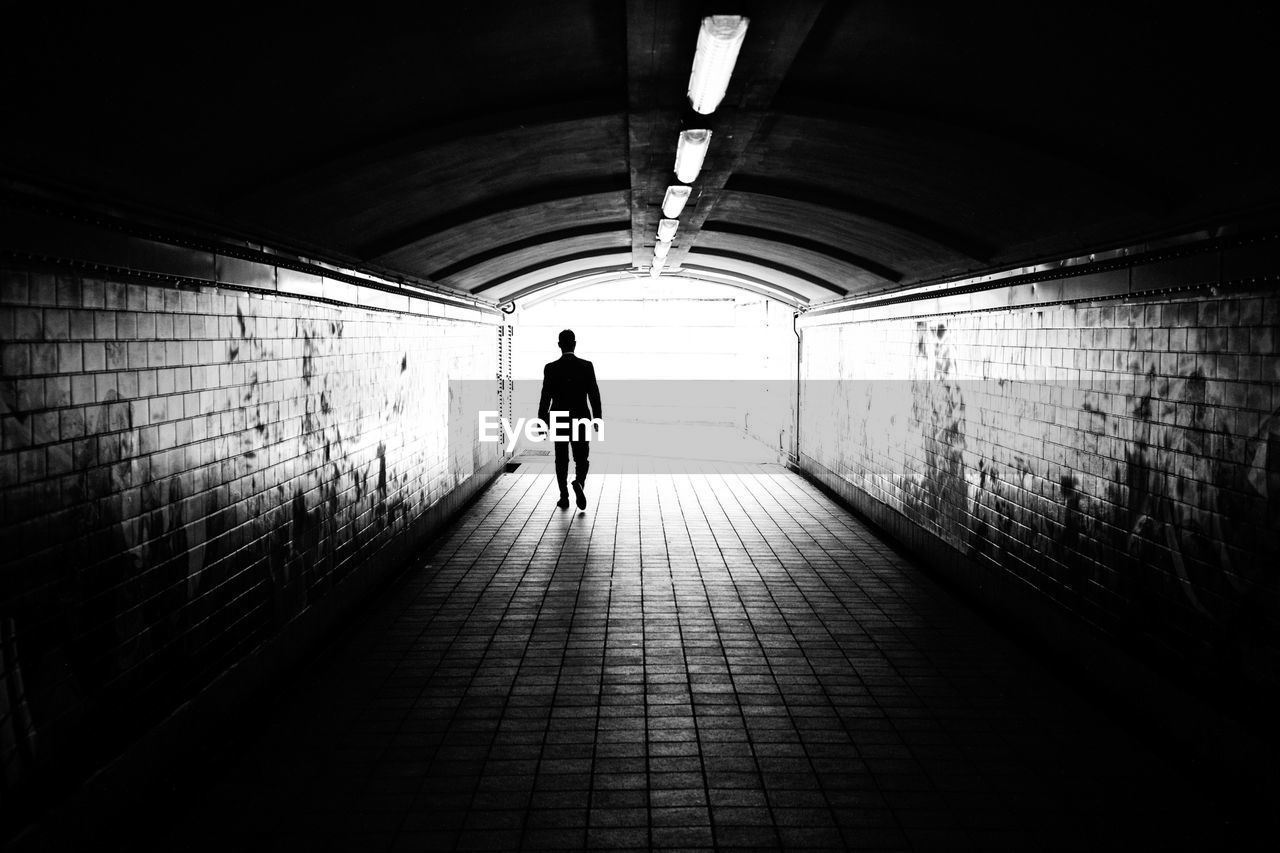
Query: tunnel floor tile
[(711, 657)]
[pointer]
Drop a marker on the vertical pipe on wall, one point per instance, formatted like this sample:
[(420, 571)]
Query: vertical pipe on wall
[(799, 352)]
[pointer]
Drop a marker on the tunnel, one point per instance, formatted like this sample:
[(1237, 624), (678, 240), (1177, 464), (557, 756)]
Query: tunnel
[(928, 489)]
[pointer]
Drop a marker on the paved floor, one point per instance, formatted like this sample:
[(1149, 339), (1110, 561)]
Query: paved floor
[(709, 657)]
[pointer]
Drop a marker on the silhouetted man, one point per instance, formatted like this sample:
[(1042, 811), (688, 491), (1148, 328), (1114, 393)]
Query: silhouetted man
[(568, 385)]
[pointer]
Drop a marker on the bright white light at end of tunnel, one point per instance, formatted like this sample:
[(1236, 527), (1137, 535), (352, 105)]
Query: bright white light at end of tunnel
[(719, 40), (668, 327), (690, 152)]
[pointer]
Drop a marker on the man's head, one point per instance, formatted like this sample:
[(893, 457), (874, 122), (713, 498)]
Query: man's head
[(567, 340)]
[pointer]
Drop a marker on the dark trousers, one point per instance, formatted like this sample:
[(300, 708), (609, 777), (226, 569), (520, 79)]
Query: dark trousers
[(580, 465)]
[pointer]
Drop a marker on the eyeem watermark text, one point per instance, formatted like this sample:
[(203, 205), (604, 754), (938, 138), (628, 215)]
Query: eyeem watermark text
[(561, 428)]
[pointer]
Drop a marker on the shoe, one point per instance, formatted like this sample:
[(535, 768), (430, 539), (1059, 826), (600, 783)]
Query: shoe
[(563, 503), (577, 491)]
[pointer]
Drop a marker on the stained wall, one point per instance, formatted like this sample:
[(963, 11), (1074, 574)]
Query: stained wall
[(1106, 464), (187, 469)]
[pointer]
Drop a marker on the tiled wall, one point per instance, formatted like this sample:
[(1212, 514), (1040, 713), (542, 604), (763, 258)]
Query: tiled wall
[(1119, 458), (185, 471)]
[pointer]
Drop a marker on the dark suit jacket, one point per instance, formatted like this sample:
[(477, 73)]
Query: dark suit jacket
[(568, 385)]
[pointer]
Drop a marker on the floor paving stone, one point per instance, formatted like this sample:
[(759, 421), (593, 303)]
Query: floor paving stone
[(711, 657)]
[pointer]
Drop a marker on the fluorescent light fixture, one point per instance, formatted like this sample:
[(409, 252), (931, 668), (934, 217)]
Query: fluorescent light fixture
[(660, 250), (673, 202), (656, 269), (667, 228), (719, 40), (690, 152)]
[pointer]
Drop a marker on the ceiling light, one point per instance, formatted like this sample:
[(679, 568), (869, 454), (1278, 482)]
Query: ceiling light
[(690, 153), (667, 228), (673, 202), (719, 40), (660, 250), (656, 269)]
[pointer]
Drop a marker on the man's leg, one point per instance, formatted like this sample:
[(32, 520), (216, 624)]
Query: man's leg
[(580, 451), (562, 471)]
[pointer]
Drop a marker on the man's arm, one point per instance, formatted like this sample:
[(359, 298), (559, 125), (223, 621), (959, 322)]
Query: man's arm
[(544, 402), (593, 393)]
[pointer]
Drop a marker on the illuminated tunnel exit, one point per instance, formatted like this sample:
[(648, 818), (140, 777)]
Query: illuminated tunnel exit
[(932, 360), (689, 369)]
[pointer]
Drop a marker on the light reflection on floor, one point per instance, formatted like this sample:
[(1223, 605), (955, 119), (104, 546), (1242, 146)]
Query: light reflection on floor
[(639, 441)]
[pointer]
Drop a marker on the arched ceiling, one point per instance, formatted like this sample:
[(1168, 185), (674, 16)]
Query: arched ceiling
[(499, 147)]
